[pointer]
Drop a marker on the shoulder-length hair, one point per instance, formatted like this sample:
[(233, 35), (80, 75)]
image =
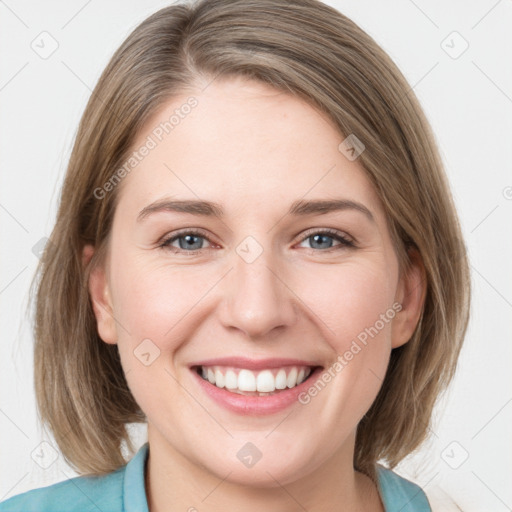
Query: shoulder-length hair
[(309, 50)]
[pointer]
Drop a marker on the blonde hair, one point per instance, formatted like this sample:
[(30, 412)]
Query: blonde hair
[(306, 49)]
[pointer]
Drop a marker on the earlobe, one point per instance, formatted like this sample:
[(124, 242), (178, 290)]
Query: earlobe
[(411, 295), (100, 298)]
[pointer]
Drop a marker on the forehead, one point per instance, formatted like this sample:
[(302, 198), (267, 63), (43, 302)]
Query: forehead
[(242, 144)]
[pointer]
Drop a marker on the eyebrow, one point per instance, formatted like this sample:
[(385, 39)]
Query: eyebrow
[(211, 209)]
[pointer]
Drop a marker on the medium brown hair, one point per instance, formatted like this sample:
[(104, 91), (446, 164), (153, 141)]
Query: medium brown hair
[(306, 49)]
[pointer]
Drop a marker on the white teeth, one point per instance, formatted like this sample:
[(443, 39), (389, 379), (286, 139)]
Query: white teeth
[(246, 381), (291, 381), (219, 379), (307, 373), (263, 382), (231, 380), (281, 379)]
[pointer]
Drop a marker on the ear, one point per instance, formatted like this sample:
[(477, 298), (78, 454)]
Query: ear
[(101, 299), (411, 294)]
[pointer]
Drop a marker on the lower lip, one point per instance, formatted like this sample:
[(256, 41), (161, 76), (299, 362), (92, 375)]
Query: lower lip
[(255, 405)]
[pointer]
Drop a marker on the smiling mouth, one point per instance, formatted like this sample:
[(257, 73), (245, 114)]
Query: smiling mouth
[(265, 382)]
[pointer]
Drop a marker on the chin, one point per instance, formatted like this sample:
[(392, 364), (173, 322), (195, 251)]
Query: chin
[(268, 473)]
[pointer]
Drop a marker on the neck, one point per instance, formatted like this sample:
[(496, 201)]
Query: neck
[(174, 482)]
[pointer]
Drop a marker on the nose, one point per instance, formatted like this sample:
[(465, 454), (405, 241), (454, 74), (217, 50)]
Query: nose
[(257, 300)]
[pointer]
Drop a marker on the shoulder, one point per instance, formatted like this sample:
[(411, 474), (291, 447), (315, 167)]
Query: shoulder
[(400, 494), (118, 491), (83, 493)]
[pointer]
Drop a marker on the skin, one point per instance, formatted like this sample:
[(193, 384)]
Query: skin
[(253, 150)]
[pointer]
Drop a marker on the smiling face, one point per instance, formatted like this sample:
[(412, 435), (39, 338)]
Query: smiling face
[(258, 272)]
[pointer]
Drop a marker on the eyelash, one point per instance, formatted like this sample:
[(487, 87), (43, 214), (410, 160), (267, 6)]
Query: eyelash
[(332, 233)]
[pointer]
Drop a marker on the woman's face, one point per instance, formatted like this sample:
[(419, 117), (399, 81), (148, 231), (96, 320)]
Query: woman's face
[(253, 285)]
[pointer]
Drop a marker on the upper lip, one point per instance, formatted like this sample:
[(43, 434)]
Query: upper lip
[(253, 364)]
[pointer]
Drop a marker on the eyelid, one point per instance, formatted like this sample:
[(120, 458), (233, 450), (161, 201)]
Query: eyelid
[(185, 231), (328, 231)]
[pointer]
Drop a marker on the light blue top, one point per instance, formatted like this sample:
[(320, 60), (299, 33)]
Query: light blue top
[(123, 491)]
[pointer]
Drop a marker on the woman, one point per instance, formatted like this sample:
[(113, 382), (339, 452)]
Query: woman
[(256, 252)]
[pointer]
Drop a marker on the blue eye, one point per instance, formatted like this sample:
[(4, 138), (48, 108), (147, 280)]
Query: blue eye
[(187, 242), (190, 241), (323, 237)]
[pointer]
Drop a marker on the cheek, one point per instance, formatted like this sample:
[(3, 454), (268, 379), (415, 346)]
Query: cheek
[(354, 302), (152, 301), (358, 312), (153, 306), (349, 299)]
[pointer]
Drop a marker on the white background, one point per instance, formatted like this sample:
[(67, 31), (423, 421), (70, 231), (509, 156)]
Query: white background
[(468, 101)]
